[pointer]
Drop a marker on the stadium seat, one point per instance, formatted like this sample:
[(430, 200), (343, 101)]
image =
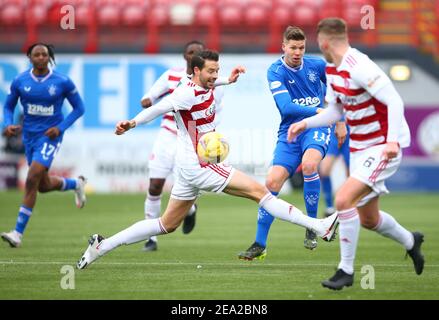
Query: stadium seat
[(108, 12), (83, 15), (38, 13), (281, 16), (134, 13), (304, 15), (158, 15), (330, 8), (256, 13), (182, 12), (230, 16), (205, 15), (12, 14)]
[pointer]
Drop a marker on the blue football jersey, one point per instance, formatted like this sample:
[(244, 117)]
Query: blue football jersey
[(298, 92), (42, 99)]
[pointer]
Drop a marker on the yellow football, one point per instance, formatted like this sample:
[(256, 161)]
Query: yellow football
[(213, 147)]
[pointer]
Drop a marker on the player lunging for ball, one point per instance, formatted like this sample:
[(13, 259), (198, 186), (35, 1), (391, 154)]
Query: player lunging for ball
[(194, 105)]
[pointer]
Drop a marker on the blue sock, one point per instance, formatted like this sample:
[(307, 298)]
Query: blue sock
[(264, 223), (22, 219), (311, 193), (327, 191), (68, 184)]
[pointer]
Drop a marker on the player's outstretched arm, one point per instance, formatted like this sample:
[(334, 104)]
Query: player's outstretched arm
[(124, 125), (234, 75), (236, 72), (145, 116)]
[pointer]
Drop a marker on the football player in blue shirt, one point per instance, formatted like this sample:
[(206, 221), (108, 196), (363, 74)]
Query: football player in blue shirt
[(297, 83), (41, 91)]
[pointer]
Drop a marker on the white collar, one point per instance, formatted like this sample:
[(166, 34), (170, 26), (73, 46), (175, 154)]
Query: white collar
[(39, 80), (291, 68)]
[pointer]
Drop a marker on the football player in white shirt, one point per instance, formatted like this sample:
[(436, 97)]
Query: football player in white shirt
[(375, 113), (162, 158), (194, 105)]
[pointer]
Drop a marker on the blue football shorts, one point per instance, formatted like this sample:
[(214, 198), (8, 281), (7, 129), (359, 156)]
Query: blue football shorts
[(42, 149), (289, 155)]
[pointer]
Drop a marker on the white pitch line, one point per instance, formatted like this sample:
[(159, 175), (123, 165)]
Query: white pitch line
[(232, 264)]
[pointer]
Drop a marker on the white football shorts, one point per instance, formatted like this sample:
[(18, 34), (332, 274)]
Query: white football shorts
[(162, 158), (189, 182), (368, 167)]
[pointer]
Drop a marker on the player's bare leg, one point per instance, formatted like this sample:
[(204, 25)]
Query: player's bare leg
[(49, 183), (34, 176), (33, 180), (325, 169), (144, 229)]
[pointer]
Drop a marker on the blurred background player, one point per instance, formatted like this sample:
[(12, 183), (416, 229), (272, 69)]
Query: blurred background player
[(162, 159), (194, 106), (338, 146), (374, 112), (41, 91), (297, 84)]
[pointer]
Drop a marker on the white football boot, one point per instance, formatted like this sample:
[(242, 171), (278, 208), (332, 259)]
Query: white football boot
[(92, 252), (13, 238), (329, 227), (80, 198)]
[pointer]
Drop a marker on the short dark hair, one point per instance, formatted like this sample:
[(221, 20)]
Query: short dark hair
[(294, 33), (188, 44), (50, 50), (199, 59), (332, 27)]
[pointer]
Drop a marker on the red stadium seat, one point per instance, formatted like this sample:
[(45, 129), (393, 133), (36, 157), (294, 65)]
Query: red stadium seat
[(256, 15), (134, 13), (12, 14), (230, 16), (158, 15), (205, 15), (40, 13), (83, 15), (281, 16), (108, 14), (330, 8), (304, 15)]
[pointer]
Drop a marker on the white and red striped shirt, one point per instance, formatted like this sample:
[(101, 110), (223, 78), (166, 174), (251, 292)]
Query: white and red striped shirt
[(354, 84), (165, 85), (195, 111)]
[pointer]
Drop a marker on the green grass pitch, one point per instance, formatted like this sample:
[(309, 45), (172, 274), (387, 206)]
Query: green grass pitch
[(204, 264)]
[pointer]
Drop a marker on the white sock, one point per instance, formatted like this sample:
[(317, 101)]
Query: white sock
[(349, 231), (281, 209), (388, 227), (139, 231), (152, 206), (192, 210)]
